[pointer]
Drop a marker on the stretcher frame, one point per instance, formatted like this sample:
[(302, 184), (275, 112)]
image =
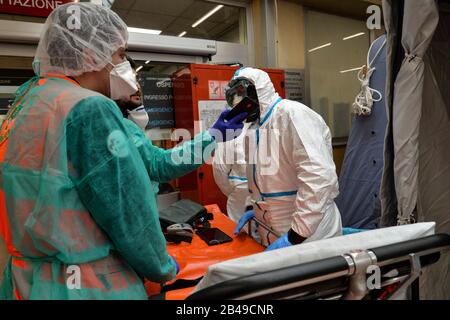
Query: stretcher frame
[(340, 277)]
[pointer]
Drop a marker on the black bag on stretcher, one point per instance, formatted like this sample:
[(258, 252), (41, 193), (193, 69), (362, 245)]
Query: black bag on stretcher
[(184, 211)]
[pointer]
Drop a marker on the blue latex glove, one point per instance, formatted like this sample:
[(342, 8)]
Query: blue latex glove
[(281, 242), (243, 220), (177, 267), (219, 130), (346, 231)]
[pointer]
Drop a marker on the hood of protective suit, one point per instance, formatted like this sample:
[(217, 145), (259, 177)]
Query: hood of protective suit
[(264, 87)]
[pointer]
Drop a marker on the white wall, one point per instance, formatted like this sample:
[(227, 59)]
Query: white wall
[(290, 35), (332, 93)]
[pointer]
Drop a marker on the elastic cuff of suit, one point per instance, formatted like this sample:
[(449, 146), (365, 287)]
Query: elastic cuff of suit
[(294, 237)]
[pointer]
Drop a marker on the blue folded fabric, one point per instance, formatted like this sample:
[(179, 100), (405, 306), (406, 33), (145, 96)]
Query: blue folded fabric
[(346, 231)]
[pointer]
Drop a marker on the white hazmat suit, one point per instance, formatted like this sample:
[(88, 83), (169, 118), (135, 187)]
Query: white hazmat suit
[(291, 173), (229, 169)]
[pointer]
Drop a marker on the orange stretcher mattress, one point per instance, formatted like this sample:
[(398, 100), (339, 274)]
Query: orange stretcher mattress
[(195, 258)]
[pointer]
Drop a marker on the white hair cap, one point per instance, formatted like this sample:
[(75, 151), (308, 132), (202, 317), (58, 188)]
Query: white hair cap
[(79, 38)]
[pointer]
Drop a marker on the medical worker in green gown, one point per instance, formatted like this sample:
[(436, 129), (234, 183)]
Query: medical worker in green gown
[(77, 210)]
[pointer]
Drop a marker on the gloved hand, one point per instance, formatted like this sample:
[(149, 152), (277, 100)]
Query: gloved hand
[(346, 231), (243, 220), (219, 130), (281, 242), (176, 264)]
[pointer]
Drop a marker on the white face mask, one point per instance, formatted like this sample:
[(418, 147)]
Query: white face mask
[(122, 81), (139, 116)]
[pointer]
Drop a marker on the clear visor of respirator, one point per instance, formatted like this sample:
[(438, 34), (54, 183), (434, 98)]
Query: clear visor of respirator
[(243, 92), (234, 94), (237, 90)]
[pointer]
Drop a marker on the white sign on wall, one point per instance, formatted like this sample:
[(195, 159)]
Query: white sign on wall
[(209, 111), (295, 84)]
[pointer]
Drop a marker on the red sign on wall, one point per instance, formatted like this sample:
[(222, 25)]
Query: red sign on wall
[(35, 8)]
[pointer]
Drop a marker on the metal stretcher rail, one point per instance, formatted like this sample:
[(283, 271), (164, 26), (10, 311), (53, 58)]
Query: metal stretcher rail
[(340, 277)]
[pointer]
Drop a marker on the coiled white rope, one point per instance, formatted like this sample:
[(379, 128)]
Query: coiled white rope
[(367, 96)]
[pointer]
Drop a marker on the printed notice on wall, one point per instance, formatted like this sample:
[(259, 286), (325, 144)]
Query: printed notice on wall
[(209, 111), (158, 101), (295, 84)]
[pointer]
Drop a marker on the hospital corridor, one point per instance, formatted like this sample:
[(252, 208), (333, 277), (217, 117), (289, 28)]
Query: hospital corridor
[(265, 152)]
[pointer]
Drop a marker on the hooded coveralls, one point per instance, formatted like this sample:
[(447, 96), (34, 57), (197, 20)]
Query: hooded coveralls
[(290, 169)]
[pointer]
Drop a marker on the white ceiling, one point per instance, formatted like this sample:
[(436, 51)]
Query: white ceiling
[(176, 16), (350, 8)]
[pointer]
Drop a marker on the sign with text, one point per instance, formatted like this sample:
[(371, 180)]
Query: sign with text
[(209, 111), (35, 8), (15, 77), (295, 85), (158, 101)]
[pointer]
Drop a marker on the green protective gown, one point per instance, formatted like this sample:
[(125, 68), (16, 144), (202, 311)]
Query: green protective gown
[(80, 213), (178, 161)]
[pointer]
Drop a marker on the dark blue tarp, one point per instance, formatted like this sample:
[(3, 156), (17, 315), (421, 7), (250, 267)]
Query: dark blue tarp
[(362, 169)]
